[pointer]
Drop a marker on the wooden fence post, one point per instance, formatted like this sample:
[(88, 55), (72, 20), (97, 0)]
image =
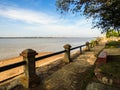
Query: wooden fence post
[(80, 50), (87, 46), (30, 79), (97, 43), (67, 58)]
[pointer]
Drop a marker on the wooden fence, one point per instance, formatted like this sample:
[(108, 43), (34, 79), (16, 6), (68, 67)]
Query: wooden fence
[(29, 60)]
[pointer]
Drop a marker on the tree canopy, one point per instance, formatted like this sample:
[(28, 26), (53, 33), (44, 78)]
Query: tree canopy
[(105, 13)]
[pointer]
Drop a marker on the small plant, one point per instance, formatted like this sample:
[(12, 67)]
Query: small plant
[(92, 43)]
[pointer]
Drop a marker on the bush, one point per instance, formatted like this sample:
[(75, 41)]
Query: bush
[(113, 44)]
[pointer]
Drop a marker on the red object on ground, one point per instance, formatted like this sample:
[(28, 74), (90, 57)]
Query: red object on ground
[(102, 58)]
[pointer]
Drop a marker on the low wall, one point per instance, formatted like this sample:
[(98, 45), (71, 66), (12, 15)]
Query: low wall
[(43, 69)]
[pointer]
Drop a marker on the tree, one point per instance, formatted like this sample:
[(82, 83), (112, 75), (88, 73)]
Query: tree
[(105, 13)]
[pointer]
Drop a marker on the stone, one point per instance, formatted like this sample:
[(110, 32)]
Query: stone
[(99, 86)]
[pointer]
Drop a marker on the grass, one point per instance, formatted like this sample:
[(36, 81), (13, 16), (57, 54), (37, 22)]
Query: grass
[(111, 69), (84, 78), (113, 44)]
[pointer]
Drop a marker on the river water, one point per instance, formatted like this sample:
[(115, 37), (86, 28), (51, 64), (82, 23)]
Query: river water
[(13, 47)]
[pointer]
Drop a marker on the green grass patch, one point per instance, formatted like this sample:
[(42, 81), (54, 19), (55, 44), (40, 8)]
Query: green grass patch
[(113, 44), (111, 69)]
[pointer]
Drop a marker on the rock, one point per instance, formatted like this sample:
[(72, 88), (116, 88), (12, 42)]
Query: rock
[(99, 86)]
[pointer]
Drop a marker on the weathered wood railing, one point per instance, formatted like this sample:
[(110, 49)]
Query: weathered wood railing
[(29, 60)]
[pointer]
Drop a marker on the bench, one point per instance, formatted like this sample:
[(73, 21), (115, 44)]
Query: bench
[(102, 58)]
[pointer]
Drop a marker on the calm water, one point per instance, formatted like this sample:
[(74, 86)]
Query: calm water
[(12, 47)]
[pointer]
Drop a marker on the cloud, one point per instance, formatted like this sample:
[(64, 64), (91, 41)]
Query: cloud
[(46, 24), (70, 30), (27, 15)]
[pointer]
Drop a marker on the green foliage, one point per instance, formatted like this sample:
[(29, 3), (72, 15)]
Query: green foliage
[(112, 33), (92, 43), (105, 13), (113, 44)]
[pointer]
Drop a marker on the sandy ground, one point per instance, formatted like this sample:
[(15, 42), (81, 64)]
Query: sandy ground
[(13, 72)]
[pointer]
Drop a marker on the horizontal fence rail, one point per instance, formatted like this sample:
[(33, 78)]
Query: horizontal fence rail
[(77, 47), (49, 55), (7, 67), (56, 53), (29, 60)]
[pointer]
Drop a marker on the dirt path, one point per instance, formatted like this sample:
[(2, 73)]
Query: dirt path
[(73, 75)]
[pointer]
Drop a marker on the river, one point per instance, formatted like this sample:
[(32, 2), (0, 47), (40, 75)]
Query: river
[(11, 47)]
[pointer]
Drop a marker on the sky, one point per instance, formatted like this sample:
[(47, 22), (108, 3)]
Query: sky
[(39, 18)]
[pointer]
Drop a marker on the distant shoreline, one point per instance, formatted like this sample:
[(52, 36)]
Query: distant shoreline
[(40, 37), (21, 37)]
